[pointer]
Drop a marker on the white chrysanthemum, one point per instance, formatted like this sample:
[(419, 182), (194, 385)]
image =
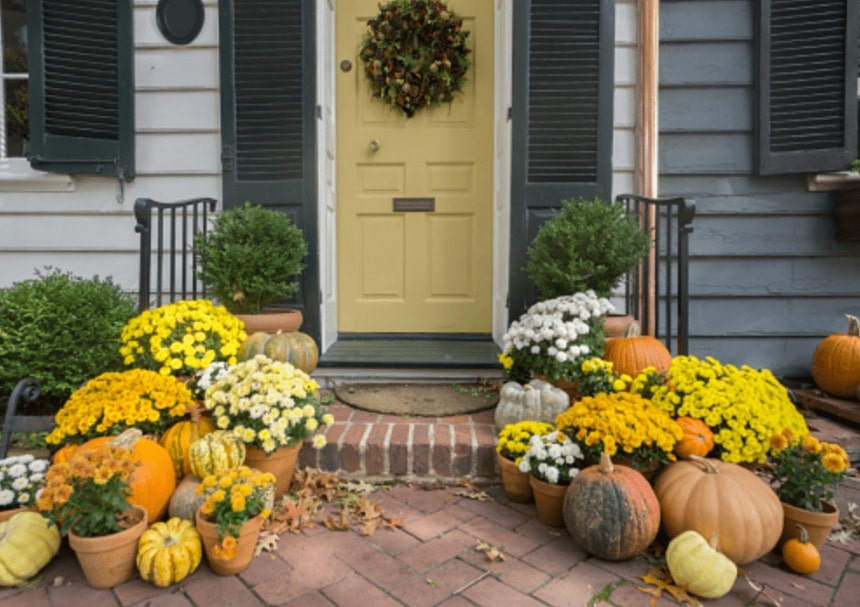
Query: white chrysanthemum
[(17, 470), (20, 483), (39, 465), (7, 497), (551, 474), (319, 441)]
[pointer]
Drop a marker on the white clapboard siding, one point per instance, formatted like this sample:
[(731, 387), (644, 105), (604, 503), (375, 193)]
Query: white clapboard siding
[(624, 114)]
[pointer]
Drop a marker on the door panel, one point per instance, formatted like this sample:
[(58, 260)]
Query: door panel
[(415, 271)]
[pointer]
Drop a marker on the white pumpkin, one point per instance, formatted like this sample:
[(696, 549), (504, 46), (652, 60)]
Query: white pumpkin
[(536, 401)]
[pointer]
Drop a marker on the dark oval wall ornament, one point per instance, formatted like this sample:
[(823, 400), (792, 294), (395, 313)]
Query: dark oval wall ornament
[(180, 21)]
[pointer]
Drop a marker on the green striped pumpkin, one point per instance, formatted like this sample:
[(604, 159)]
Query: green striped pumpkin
[(297, 348), (177, 440), (217, 451)]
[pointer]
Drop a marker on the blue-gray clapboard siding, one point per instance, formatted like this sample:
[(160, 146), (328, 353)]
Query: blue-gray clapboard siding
[(767, 278)]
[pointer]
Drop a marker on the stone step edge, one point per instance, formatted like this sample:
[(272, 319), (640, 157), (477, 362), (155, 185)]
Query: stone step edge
[(407, 451)]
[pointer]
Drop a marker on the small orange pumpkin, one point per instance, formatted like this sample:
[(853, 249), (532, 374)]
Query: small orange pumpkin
[(801, 555), (698, 438), (154, 478), (836, 361), (634, 352)]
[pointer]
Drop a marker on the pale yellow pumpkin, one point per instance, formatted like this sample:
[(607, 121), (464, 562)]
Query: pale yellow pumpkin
[(168, 552), (699, 567), (27, 543), (536, 401)]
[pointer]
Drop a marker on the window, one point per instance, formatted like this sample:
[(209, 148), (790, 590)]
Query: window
[(14, 115), (807, 96)]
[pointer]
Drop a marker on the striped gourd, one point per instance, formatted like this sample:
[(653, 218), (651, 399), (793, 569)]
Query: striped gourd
[(177, 440), (217, 451)]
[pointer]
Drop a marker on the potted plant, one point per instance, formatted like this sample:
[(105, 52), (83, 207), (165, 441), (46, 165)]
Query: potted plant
[(272, 407), (551, 462), (182, 338), (250, 260), (87, 497), (804, 472), (588, 244), (115, 401), (237, 501), (554, 337), (512, 444)]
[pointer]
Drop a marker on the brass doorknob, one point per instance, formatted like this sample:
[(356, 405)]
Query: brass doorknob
[(374, 145)]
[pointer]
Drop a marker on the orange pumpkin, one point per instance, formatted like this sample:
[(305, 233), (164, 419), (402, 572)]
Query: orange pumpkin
[(698, 438), (717, 498), (801, 555), (154, 478), (836, 362), (633, 352), (611, 511), (178, 438)]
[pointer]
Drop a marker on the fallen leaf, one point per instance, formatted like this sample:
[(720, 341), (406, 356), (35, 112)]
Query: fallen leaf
[(267, 541), (491, 552), (659, 581), (473, 495)]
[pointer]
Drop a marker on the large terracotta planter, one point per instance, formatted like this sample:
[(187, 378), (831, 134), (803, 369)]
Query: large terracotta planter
[(5, 515), (614, 325), (109, 560), (515, 483), (549, 501), (817, 524), (245, 543), (272, 322), (281, 462)]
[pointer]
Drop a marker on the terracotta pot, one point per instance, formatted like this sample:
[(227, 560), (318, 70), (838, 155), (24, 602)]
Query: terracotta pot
[(549, 500), (272, 322), (281, 462), (516, 483), (817, 524), (245, 544), (615, 324), (109, 560), (5, 515)]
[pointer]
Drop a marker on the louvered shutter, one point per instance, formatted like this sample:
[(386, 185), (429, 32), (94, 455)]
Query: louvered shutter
[(562, 116), (807, 101), (268, 101), (81, 63), (268, 120)]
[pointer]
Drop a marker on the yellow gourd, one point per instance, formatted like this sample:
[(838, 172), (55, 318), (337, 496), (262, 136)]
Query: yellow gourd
[(168, 552), (27, 543), (215, 452), (699, 566)]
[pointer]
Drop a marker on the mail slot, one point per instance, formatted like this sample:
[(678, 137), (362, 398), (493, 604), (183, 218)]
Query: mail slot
[(412, 205)]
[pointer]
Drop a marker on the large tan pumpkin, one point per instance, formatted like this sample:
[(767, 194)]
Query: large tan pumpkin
[(836, 362), (297, 348), (611, 511), (717, 498)]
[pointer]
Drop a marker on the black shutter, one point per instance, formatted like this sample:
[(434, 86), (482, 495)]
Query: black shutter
[(562, 116), (268, 120), (807, 97), (81, 63)]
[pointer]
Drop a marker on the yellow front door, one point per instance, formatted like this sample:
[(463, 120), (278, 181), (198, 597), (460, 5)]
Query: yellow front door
[(400, 269)]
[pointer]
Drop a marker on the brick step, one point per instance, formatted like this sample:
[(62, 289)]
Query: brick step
[(379, 447)]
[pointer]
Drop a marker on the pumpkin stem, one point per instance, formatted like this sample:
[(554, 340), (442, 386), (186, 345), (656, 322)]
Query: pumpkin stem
[(710, 468), (633, 330), (127, 438), (606, 466), (804, 536), (853, 325)]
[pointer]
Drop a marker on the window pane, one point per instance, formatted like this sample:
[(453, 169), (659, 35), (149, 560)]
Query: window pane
[(15, 120)]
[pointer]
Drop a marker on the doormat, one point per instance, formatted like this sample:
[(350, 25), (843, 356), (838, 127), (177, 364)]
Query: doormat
[(430, 400)]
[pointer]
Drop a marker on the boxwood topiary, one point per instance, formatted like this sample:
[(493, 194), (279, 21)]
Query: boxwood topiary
[(588, 244), (62, 330)]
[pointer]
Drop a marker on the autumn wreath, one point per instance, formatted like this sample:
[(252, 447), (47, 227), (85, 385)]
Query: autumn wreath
[(415, 54)]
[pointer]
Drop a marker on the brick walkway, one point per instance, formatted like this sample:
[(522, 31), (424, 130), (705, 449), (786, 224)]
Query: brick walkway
[(432, 560)]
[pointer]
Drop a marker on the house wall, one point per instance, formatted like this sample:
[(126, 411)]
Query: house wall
[(767, 278), (85, 224)]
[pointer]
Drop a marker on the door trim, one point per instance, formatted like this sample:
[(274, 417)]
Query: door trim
[(327, 167)]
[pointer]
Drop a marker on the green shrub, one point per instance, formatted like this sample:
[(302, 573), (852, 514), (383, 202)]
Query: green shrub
[(251, 258), (588, 244), (61, 330)]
